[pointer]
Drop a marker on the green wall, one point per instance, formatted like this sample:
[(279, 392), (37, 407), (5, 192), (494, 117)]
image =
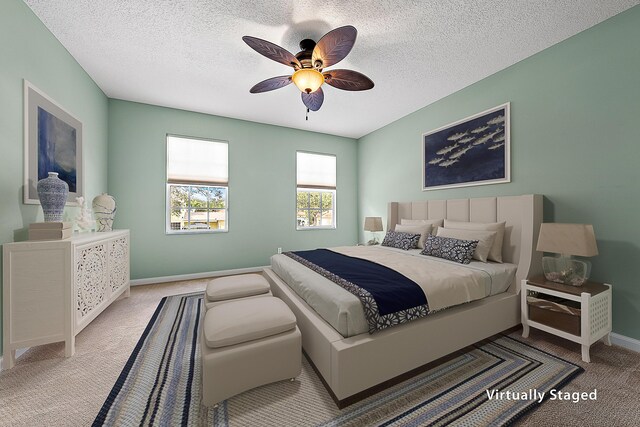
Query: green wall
[(575, 108), (29, 51), (262, 190), (575, 120)]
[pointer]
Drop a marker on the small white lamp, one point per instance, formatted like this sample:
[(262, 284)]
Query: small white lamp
[(566, 240), (373, 224)]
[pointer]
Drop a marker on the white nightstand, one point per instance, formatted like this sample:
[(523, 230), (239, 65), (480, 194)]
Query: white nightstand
[(586, 323)]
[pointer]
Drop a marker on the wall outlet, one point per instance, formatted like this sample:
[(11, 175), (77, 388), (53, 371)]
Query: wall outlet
[(279, 250)]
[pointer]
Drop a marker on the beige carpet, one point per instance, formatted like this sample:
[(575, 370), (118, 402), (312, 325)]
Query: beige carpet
[(45, 388)]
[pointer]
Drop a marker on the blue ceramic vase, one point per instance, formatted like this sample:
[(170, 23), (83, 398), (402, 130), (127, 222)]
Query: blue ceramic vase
[(53, 192)]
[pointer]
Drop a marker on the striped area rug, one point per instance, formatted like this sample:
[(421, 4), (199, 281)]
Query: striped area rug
[(161, 384)]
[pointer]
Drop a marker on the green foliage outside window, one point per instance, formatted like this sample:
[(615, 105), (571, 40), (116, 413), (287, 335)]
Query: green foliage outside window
[(196, 207), (315, 208)]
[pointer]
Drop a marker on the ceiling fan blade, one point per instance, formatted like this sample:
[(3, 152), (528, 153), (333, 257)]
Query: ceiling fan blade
[(271, 84), (272, 51), (347, 80), (313, 101), (334, 46)]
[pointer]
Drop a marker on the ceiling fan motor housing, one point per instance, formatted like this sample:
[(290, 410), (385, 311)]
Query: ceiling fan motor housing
[(304, 56)]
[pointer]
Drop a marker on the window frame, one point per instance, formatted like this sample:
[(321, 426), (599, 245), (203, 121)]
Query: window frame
[(309, 208), (334, 192), (167, 229)]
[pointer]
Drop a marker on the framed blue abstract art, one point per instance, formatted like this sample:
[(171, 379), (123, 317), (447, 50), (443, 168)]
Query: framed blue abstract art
[(471, 151), (52, 143)]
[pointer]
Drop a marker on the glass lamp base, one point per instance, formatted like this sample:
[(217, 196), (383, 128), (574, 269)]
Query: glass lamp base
[(565, 270), (374, 239)]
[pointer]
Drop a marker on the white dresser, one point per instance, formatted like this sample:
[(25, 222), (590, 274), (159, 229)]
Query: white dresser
[(53, 289)]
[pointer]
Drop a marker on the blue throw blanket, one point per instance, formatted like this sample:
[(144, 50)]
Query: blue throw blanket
[(388, 297)]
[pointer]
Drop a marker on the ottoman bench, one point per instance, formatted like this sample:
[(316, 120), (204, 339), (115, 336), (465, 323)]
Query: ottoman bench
[(248, 343), (228, 288)]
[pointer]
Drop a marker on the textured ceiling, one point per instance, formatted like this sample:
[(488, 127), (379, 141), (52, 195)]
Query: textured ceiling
[(189, 54)]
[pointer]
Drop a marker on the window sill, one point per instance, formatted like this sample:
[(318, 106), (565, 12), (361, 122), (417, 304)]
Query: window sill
[(315, 228), (185, 232)]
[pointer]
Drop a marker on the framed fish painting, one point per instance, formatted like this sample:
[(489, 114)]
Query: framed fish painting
[(471, 151), (52, 143)]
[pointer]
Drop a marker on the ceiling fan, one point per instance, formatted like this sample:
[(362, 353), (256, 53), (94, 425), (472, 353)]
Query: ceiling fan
[(309, 66)]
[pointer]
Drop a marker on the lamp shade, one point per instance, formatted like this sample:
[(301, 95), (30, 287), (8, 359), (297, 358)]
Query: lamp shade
[(372, 223), (569, 239)]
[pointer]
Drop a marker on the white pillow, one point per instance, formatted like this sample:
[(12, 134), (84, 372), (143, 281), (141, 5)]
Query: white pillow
[(485, 240), (421, 229), (495, 254), (434, 223)]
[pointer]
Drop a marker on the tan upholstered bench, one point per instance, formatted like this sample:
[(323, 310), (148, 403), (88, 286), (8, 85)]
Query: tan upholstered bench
[(246, 344), (224, 289)]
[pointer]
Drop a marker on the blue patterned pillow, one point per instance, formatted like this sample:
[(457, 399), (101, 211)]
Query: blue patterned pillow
[(448, 248), (406, 241)]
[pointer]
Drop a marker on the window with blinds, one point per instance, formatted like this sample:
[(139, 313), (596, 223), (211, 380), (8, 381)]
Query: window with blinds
[(316, 190), (197, 185)]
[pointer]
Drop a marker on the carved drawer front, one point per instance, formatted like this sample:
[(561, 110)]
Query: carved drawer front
[(118, 263), (91, 278)]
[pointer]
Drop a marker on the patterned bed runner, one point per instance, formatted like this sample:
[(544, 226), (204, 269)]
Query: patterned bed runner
[(388, 297)]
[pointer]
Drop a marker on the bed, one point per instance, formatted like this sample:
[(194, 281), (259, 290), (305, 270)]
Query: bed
[(353, 362)]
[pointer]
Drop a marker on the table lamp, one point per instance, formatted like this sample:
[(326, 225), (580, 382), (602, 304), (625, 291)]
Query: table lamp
[(373, 224), (566, 240)]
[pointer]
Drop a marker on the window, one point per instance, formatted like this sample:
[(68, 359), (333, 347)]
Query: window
[(197, 185), (316, 190)]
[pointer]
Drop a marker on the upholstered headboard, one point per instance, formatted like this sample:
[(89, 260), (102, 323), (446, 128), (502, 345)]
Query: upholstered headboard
[(522, 214)]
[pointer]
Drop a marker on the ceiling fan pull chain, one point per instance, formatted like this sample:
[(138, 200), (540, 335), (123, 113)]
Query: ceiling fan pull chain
[(307, 118)]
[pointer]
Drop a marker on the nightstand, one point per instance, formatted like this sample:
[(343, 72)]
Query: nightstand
[(581, 314)]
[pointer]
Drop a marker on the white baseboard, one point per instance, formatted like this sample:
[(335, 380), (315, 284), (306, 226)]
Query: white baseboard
[(626, 342), (192, 276)]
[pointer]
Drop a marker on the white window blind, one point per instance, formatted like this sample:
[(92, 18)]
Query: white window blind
[(316, 170), (197, 161)]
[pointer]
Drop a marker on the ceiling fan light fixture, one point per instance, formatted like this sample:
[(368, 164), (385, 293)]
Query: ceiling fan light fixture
[(309, 65), (307, 79)]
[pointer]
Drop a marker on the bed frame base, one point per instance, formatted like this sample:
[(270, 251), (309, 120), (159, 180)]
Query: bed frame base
[(341, 404), (351, 367)]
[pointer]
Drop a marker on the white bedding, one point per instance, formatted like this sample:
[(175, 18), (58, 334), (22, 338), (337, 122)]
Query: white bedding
[(343, 310)]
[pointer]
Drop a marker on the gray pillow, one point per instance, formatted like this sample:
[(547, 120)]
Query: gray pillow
[(485, 240), (422, 229), (495, 254), (434, 223)]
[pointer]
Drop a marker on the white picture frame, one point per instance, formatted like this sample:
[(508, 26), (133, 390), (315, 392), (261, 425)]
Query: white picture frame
[(473, 151), (52, 143)]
